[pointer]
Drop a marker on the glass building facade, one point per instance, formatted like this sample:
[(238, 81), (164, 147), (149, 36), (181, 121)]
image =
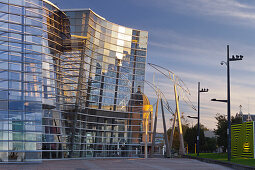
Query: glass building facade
[(71, 84)]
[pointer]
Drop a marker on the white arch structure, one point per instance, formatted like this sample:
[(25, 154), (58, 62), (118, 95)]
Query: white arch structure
[(179, 89)]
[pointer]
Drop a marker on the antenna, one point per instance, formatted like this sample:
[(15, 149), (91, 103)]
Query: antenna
[(248, 105), (240, 109)]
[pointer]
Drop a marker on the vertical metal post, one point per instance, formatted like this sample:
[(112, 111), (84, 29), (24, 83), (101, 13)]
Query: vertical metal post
[(195, 148), (187, 149), (116, 85), (146, 135), (181, 149), (198, 118), (154, 129), (172, 133), (165, 132), (228, 100)]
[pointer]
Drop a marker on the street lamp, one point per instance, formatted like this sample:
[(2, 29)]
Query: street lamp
[(228, 99), (215, 100), (192, 117), (234, 58), (203, 90)]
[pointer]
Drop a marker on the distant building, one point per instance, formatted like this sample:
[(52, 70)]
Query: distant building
[(159, 145), (209, 134), (159, 138), (248, 118), (138, 103), (245, 117)]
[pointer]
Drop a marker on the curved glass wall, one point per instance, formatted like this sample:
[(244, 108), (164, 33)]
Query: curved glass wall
[(20, 80), (31, 37), (69, 86), (110, 66), (56, 31)]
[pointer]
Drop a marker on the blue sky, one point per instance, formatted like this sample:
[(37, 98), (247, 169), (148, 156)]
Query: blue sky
[(189, 37)]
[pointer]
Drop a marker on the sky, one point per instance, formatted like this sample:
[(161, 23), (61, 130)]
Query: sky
[(189, 37)]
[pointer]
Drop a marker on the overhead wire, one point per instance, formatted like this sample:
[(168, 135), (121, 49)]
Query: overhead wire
[(178, 81), (158, 92)]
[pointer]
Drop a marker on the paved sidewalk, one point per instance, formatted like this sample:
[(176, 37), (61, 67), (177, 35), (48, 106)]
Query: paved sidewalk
[(118, 164)]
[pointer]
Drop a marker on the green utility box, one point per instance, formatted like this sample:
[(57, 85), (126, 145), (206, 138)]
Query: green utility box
[(242, 140)]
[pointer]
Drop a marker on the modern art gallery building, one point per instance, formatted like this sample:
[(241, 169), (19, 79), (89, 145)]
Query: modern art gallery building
[(71, 84)]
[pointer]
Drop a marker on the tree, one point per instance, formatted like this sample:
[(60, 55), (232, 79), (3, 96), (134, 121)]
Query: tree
[(221, 129), (236, 120), (190, 137), (176, 140), (209, 145)]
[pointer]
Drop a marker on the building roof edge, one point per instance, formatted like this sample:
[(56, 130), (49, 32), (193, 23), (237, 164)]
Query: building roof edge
[(83, 9), (51, 4)]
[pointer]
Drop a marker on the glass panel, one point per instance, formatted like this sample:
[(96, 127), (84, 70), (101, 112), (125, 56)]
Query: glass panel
[(16, 105), (3, 65), (3, 84)]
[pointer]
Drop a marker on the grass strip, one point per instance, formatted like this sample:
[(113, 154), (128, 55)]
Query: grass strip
[(224, 157)]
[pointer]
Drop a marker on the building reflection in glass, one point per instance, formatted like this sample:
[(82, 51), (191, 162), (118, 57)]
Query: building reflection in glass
[(67, 84)]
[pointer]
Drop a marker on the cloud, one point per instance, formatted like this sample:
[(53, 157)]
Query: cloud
[(221, 9), (242, 89), (197, 50), (212, 7), (196, 57)]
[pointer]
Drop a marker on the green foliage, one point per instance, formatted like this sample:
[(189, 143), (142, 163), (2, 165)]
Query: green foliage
[(221, 129), (236, 120), (205, 144), (216, 156), (224, 157), (209, 145), (190, 138), (176, 140)]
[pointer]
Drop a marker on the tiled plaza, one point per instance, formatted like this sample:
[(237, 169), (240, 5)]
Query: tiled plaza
[(118, 164)]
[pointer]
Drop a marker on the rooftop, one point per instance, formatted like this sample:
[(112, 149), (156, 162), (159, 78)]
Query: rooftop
[(51, 4), (83, 9)]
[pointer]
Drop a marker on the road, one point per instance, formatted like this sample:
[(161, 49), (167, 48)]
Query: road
[(118, 164)]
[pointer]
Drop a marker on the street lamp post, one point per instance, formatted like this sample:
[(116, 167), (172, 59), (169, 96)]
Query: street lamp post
[(234, 58), (198, 131), (228, 99), (147, 109), (228, 103), (198, 114)]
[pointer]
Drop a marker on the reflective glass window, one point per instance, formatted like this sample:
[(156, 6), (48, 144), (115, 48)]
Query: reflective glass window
[(16, 105), (3, 105), (3, 7), (3, 84), (3, 55), (3, 74), (14, 85)]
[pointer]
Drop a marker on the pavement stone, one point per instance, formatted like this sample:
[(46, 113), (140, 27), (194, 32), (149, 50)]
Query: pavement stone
[(118, 164)]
